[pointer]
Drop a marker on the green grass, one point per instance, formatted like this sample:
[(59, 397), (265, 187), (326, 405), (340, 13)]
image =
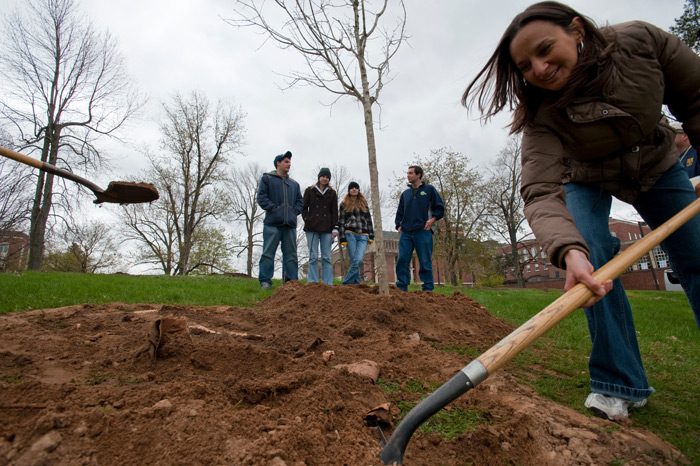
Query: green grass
[(33, 290), (447, 423), (555, 365)]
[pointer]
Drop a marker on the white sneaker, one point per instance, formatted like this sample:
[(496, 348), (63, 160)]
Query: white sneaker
[(611, 407)]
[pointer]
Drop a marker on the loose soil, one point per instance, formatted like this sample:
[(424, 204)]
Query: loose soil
[(287, 382)]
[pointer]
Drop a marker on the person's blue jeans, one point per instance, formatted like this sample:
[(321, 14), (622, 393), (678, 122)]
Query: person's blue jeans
[(272, 236), (314, 240), (422, 242), (615, 364), (357, 245)]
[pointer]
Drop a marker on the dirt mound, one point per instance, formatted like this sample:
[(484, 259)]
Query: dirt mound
[(275, 385)]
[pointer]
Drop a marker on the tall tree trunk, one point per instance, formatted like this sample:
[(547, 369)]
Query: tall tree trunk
[(249, 260), (380, 255), (452, 270), (343, 269), (41, 206)]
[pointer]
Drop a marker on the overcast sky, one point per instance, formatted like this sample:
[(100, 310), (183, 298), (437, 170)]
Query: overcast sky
[(183, 45)]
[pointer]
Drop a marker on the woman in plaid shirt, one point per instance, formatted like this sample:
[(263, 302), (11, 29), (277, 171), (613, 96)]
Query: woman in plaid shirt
[(355, 230)]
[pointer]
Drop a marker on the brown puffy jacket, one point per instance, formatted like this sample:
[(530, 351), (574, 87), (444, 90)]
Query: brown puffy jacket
[(618, 142)]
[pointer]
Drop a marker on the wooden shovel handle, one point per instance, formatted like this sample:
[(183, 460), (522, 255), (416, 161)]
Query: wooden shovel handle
[(17, 157), (505, 350), (47, 167)]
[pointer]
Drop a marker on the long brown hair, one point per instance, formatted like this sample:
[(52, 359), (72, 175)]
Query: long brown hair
[(359, 202), (500, 83)]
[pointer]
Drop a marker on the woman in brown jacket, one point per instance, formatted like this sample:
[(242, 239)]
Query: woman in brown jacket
[(588, 102), (320, 214)]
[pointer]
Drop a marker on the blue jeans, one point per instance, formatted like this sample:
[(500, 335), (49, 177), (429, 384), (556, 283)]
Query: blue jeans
[(272, 236), (314, 239), (357, 245), (615, 364), (422, 242)]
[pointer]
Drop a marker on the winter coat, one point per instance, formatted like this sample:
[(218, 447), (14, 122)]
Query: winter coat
[(689, 160), (416, 209), (281, 200), (617, 141), (320, 210), (354, 221)]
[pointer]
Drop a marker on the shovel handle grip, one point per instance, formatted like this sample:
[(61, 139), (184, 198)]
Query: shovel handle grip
[(575, 298)]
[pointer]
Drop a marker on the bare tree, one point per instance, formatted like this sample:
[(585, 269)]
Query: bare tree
[(15, 199), (198, 142), (243, 188), (152, 228), (86, 247), (212, 250), (93, 246), (335, 39), (65, 86), (506, 217)]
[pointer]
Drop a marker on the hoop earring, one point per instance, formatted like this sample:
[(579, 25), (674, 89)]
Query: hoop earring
[(579, 47)]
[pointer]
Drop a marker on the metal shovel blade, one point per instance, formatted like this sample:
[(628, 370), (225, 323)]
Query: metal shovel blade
[(126, 192)]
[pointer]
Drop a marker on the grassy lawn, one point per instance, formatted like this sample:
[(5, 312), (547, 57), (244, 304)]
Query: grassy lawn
[(32, 290), (555, 365)]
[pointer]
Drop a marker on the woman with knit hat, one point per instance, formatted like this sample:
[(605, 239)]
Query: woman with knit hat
[(355, 230), (320, 214)]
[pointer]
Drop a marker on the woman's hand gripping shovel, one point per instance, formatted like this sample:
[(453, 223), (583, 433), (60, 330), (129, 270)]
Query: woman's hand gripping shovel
[(118, 192), (502, 352)]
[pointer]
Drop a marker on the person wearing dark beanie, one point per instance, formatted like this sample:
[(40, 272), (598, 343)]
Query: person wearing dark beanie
[(355, 230), (320, 214)]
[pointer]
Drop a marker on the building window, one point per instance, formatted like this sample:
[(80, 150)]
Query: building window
[(660, 258), (528, 267), (546, 266), (644, 263), (556, 274), (4, 249), (537, 266), (629, 235), (613, 234)]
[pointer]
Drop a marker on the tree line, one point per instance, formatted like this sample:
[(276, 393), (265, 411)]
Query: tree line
[(65, 89)]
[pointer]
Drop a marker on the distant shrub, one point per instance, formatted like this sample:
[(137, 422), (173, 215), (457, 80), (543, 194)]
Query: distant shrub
[(490, 281)]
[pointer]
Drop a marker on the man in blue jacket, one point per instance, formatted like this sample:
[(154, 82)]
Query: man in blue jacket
[(280, 197), (420, 207), (688, 155)]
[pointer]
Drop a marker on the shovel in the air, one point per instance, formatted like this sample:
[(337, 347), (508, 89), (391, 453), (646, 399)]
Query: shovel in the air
[(119, 192), (502, 352)]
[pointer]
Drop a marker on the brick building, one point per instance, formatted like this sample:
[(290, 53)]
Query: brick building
[(648, 273), (14, 251), (391, 251)]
